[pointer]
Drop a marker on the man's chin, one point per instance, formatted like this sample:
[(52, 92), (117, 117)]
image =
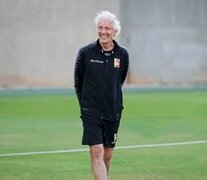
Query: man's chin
[(103, 40)]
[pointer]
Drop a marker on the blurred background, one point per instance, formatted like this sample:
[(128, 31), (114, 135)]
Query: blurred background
[(39, 40)]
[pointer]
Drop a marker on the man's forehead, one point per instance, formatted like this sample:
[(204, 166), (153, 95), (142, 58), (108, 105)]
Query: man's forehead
[(105, 23)]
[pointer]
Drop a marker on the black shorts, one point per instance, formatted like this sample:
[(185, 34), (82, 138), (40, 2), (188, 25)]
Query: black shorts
[(99, 131)]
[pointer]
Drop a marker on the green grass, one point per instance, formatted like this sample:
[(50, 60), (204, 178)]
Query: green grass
[(45, 122)]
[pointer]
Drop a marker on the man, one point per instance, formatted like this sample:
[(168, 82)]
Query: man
[(100, 71)]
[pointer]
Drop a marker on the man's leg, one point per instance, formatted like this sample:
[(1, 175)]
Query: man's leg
[(97, 162), (108, 152)]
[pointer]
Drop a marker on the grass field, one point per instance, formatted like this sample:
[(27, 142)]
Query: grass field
[(41, 121)]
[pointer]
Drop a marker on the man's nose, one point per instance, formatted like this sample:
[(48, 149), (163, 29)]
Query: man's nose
[(103, 30)]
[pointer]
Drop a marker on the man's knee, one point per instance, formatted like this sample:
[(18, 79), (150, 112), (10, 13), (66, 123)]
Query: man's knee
[(97, 152), (108, 152)]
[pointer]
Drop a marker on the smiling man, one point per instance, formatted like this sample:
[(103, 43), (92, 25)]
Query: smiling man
[(100, 71)]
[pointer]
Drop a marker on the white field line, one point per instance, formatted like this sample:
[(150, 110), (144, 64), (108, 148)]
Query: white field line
[(118, 147)]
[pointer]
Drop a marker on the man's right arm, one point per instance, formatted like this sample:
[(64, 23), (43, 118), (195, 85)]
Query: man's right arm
[(78, 75)]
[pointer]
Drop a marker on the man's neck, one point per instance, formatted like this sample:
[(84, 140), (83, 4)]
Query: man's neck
[(107, 46)]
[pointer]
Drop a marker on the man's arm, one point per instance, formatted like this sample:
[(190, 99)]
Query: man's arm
[(125, 70), (78, 75)]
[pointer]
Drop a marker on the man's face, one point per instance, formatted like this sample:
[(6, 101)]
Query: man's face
[(105, 32)]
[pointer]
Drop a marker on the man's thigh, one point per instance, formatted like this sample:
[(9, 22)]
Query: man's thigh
[(111, 133), (92, 131)]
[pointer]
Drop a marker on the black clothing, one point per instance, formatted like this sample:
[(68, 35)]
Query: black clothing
[(99, 77), (99, 131)]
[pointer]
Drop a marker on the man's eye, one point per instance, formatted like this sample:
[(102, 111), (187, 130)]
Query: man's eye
[(106, 28)]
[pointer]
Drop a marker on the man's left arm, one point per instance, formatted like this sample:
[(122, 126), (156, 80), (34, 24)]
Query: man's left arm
[(126, 67)]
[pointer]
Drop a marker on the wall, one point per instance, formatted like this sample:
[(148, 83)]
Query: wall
[(39, 39), (167, 40)]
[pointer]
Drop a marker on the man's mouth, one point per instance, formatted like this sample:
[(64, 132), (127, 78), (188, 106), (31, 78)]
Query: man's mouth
[(103, 36)]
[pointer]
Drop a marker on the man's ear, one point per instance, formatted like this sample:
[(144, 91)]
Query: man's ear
[(114, 33)]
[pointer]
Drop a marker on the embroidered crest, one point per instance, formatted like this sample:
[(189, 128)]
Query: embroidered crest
[(116, 63)]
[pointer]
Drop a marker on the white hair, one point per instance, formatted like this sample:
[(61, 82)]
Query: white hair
[(106, 15)]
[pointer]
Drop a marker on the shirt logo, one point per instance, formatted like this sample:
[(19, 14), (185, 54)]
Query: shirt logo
[(96, 61), (116, 63)]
